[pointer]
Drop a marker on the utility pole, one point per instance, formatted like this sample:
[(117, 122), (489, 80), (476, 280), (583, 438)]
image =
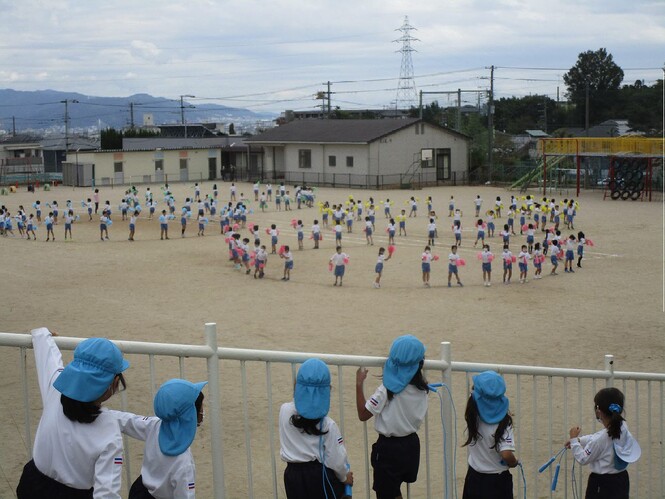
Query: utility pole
[(458, 121), (66, 103), (182, 110), (490, 125), (586, 108), (545, 112), (406, 86), (13, 126), (131, 115), (328, 100)]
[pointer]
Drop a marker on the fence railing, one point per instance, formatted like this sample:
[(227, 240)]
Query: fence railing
[(239, 447), (422, 178)]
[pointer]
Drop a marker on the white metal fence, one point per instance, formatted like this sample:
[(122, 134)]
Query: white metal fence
[(238, 447)]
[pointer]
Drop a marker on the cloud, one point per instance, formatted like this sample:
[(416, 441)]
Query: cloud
[(220, 48)]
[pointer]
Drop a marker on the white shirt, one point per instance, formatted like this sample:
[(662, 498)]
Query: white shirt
[(338, 258), (427, 257), (452, 258), (261, 255), (288, 256), (524, 257), (485, 256), (316, 229), (507, 256), (478, 202), (482, 458), (597, 450), (431, 227), (299, 447), (368, 224), (400, 416), (75, 454), (338, 229), (165, 477)]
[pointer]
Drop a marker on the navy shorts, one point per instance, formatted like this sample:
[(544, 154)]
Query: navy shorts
[(378, 268), (425, 267), (395, 460), (452, 268), (487, 267), (339, 270)]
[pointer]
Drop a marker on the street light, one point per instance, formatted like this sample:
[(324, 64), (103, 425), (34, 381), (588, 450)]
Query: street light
[(182, 110)]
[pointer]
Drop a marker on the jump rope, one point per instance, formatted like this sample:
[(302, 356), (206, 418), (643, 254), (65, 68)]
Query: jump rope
[(558, 457)]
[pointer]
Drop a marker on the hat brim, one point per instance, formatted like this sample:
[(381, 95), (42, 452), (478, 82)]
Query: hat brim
[(397, 377), (84, 383), (312, 402), (491, 411)]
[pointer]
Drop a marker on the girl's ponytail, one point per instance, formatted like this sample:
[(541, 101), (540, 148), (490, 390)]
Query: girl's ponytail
[(610, 402), (614, 428)]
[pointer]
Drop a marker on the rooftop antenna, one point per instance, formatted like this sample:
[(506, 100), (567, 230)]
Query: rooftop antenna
[(407, 96)]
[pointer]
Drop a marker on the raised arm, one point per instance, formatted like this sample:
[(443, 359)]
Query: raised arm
[(363, 413), (48, 359)]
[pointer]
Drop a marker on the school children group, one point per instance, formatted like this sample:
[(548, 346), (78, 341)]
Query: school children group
[(78, 449)]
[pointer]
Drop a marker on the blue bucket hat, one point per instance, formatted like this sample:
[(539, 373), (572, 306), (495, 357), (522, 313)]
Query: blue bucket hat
[(403, 362), (312, 393), (96, 362), (174, 405), (488, 392)]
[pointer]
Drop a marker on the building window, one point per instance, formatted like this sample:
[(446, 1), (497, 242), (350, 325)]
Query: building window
[(332, 160), (117, 167), (183, 164), (304, 158), (349, 161), (159, 164)]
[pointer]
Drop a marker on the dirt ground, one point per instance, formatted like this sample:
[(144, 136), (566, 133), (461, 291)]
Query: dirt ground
[(164, 291)]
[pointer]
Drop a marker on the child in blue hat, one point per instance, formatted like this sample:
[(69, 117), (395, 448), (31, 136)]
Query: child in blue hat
[(399, 406), (609, 451), (78, 446), (311, 442), (490, 440), (168, 470)]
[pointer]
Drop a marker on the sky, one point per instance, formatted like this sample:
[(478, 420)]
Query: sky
[(273, 55)]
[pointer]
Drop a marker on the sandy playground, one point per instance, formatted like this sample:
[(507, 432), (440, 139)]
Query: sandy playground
[(164, 291)]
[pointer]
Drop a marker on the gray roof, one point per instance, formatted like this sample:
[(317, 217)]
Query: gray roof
[(336, 131)]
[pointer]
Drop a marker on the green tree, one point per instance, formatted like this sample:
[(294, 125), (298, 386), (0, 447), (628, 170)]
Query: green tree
[(111, 138), (514, 115), (642, 105), (597, 71), (232, 129)]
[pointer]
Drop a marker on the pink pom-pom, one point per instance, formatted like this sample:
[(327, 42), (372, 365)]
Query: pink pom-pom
[(240, 251), (551, 230), (491, 258), (513, 258), (281, 250), (589, 242), (321, 236), (560, 255), (226, 229), (252, 254), (484, 226), (330, 266), (312, 237), (461, 262), (525, 227), (391, 249), (479, 256), (262, 265), (387, 230), (267, 231), (230, 254), (227, 240), (294, 222), (346, 260), (435, 258), (235, 227), (252, 261), (250, 226)]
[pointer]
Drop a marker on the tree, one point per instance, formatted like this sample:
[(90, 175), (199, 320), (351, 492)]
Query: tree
[(232, 129), (642, 105), (597, 71), (516, 114)]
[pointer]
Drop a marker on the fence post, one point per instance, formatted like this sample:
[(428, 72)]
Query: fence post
[(215, 408), (609, 367), (448, 451)]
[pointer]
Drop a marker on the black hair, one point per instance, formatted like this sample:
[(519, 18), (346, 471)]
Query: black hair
[(472, 417), (84, 412), (198, 403), (580, 235), (610, 397), (418, 381), (309, 426)]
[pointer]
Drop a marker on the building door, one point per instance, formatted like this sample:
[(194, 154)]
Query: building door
[(212, 168), (442, 164), (184, 172), (118, 173)]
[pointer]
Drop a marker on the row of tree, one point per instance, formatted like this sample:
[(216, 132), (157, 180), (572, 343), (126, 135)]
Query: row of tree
[(593, 84)]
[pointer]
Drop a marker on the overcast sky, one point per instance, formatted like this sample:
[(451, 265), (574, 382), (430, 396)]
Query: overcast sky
[(272, 55)]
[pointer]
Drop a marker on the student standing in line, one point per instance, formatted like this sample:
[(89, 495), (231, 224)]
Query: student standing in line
[(310, 441), (399, 406), (168, 470), (609, 451), (490, 440), (77, 452)]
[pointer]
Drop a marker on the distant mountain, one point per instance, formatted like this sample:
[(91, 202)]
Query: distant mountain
[(44, 109)]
